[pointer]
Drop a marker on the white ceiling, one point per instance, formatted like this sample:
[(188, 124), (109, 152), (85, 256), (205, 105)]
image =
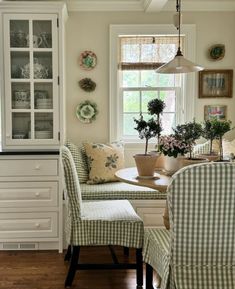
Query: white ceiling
[(147, 5)]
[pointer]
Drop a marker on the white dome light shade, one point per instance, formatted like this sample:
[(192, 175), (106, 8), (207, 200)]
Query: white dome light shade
[(179, 65)]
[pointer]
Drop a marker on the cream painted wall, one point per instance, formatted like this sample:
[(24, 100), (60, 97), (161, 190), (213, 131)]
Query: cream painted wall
[(90, 31)]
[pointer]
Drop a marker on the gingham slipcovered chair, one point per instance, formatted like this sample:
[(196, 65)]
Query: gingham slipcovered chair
[(98, 223), (199, 250)]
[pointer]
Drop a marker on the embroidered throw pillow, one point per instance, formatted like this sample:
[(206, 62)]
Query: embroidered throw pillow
[(103, 161), (80, 160)]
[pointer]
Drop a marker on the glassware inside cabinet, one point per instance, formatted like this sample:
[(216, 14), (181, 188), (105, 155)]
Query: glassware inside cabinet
[(19, 33), (43, 96), (20, 95), (20, 67), (21, 125), (43, 125), (42, 34), (42, 63)]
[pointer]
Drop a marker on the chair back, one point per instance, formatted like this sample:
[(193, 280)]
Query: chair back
[(201, 201), (72, 189)]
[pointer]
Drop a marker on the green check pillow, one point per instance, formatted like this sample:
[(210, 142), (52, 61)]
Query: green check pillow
[(80, 160), (103, 161)]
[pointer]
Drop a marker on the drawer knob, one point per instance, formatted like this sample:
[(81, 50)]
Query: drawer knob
[(37, 194), (37, 225), (37, 167)]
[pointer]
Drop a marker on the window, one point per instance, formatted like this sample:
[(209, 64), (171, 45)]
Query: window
[(135, 53), (139, 83)]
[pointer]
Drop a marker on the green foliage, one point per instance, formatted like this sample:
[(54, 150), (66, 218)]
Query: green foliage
[(215, 129), (189, 133), (152, 127), (156, 106)]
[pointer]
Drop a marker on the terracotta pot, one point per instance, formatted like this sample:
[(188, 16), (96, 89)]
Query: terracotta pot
[(188, 162), (145, 164), (159, 161), (210, 157)]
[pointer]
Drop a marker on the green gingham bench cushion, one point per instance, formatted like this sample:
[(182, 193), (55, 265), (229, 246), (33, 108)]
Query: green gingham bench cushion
[(118, 191), (156, 252), (80, 161), (108, 223)]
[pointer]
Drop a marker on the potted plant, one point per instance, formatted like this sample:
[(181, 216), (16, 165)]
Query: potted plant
[(220, 128), (145, 163), (189, 133), (173, 149)]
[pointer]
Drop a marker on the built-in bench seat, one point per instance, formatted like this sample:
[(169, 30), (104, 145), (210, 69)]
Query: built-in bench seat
[(119, 191)]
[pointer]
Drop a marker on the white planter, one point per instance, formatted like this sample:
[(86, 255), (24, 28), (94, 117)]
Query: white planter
[(172, 165)]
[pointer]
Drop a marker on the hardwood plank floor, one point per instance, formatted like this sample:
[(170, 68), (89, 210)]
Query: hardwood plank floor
[(47, 270)]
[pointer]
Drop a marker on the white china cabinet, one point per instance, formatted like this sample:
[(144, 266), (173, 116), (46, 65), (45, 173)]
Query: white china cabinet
[(32, 80), (32, 105)]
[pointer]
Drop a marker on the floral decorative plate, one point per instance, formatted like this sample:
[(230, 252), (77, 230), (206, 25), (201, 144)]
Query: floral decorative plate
[(86, 111), (217, 52), (87, 60)]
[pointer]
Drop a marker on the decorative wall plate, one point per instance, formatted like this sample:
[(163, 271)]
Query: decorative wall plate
[(87, 84), (87, 60), (86, 111), (217, 52)]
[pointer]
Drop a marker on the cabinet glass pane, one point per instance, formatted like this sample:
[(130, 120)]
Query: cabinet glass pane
[(21, 125), (43, 125), (20, 95), (43, 96), (19, 33), (42, 65), (20, 67), (42, 35)]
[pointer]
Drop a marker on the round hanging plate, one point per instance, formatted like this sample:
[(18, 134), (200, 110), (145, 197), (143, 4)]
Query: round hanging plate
[(86, 111), (217, 52), (87, 60)]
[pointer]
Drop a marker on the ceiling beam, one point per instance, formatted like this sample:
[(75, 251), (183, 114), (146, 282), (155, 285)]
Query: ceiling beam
[(154, 5)]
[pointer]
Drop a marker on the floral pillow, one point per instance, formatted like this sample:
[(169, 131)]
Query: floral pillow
[(103, 161)]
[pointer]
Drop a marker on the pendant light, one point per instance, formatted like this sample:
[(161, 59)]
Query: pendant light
[(179, 64)]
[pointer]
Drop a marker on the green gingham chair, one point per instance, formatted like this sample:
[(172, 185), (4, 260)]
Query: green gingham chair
[(98, 223), (199, 250)]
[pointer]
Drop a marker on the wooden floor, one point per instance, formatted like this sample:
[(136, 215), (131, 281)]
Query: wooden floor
[(47, 270)]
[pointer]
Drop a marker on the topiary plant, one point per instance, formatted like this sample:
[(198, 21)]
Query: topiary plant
[(189, 133)]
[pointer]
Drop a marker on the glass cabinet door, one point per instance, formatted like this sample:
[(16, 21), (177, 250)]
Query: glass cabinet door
[(32, 103)]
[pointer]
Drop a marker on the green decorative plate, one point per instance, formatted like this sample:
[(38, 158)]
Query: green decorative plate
[(217, 52), (87, 60), (86, 111)]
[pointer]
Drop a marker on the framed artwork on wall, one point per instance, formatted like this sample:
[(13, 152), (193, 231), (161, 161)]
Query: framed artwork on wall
[(216, 83), (218, 112)]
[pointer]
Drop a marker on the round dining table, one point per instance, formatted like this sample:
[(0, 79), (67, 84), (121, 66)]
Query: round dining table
[(158, 182)]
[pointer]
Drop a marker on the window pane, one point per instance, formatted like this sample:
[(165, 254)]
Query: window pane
[(167, 52), (147, 52), (146, 97), (130, 78), (169, 98), (148, 78), (131, 101), (129, 124), (166, 80), (168, 121)]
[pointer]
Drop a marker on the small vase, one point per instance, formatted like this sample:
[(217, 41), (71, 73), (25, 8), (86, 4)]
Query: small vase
[(146, 164), (172, 165)]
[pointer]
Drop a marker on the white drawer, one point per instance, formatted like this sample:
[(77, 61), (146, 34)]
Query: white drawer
[(35, 167), (28, 225), (152, 217), (28, 194)]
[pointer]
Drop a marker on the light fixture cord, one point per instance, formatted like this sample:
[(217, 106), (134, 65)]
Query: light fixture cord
[(178, 9)]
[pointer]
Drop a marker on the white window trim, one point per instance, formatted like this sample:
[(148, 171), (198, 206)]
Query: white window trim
[(189, 30)]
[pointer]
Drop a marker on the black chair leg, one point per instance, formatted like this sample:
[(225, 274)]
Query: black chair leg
[(72, 267), (139, 270), (126, 251), (68, 254), (149, 277)]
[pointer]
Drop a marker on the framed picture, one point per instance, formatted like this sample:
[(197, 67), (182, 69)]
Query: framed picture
[(216, 83), (215, 111)]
